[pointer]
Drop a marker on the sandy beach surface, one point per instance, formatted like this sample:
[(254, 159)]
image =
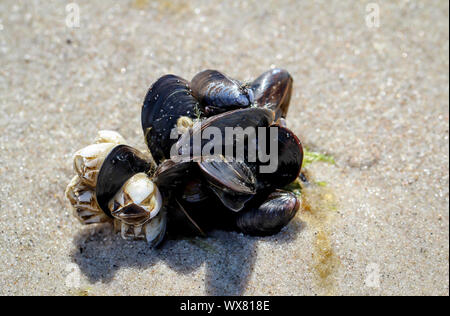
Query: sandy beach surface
[(372, 93)]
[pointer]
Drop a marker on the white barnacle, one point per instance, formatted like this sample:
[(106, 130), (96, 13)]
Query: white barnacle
[(137, 202), (85, 207), (153, 231), (106, 136), (88, 161), (184, 123), (136, 208)]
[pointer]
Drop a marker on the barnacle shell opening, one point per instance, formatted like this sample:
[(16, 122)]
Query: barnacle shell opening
[(137, 202), (153, 231)]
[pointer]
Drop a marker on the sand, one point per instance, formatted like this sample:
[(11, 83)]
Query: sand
[(374, 98)]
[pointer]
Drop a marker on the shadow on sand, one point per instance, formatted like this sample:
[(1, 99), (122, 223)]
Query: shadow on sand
[(229, 256)]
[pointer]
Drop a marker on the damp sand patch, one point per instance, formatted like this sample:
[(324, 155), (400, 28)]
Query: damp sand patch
[(318, 208)]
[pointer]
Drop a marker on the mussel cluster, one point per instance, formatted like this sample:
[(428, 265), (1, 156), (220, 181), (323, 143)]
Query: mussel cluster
[(152, 195)]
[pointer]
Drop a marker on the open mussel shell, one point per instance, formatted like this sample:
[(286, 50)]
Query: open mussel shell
[(273, 90), (177, 182), (236, 181), (241, 118), (187, 221), (218, 93), (232, 181), (168, 100), (120, 164), (194, 191), (269, 217), (170, 175), (195, 210), (193, 207), (289, 159)]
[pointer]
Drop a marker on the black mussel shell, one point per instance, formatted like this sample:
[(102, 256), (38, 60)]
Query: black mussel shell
[(252, 117), (269, 217), (181, 222), (194, 191), (195, 210), (273, 90), (167, 100), (170, 175), (176, 181), (290, 150), (232, 181), (120, 164), (242, 118), (218, 93), (289, 164), (235, 182)]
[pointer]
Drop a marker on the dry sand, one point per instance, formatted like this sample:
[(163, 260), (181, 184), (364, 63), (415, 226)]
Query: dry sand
[(374, 98)]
